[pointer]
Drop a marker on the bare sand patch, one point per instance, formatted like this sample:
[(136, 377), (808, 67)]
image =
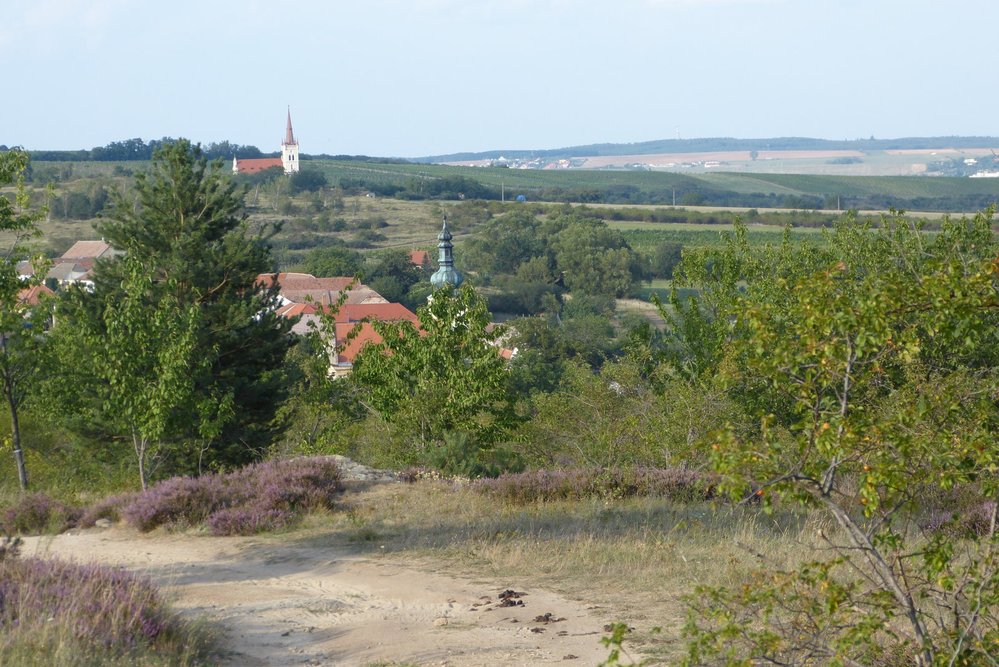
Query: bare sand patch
[(285, 601)]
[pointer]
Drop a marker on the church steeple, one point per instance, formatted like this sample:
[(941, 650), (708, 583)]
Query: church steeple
[(289, 148), (289, 135), (446, 274)]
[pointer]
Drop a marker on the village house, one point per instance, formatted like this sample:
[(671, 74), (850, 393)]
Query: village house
[(74, 266), (32, 296), (302, 288), (353, 329)]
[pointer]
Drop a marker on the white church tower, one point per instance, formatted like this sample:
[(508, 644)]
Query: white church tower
[(289, 149)]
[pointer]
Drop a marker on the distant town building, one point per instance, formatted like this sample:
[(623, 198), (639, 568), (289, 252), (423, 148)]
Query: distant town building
[(288, 160)]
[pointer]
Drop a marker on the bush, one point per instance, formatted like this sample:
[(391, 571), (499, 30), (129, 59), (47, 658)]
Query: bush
[(36, 513), (678, 484), (258, 497), (973, 521), (109, 508), (50, 608)]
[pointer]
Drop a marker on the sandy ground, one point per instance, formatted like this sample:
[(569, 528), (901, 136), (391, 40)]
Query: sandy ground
[(284, 602)]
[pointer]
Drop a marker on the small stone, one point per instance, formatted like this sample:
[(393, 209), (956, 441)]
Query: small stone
[(103, 523), (440, 622)]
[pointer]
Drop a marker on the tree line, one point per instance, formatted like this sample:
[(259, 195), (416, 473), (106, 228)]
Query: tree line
[(130, 150)]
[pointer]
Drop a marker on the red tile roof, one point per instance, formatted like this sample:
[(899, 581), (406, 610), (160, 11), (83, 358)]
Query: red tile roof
[(304, 281), (295, 310), (365, 333), (31, 296), (419, 257), (384, 312), (86, 250), (303, 287), (254, 165)]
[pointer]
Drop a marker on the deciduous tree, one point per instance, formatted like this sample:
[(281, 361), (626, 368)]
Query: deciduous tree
[(883, 369), (186, 228), (19, 327), (447, 376)]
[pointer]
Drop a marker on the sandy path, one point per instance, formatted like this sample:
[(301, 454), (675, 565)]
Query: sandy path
[(294, 604)]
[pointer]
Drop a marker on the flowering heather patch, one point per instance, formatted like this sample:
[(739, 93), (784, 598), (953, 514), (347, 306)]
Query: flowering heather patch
[(247, 520), (263, 496), (107, 508), (91, 606), (973, 521), (38, 513), (577, 483)]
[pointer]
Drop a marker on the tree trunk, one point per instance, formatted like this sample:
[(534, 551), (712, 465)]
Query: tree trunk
[(15, 436), (10, 393), (141, 445)]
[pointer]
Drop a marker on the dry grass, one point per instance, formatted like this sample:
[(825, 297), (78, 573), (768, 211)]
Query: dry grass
[(634, 560)]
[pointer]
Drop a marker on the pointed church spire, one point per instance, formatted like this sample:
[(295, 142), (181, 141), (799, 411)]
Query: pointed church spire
[(289, 148), (446, 274), (289, 135)]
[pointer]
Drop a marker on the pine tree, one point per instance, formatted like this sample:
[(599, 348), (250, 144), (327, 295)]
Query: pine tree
[(187, 226)]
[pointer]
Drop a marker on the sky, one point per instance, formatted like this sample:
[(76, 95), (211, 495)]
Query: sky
[(407, 78)]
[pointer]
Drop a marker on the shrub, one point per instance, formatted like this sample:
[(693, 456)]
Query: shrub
[(49, 606), (38, 513), (179, 500), (973, 521), (258, 497), (247, 520), (577, 483), (107, 508)]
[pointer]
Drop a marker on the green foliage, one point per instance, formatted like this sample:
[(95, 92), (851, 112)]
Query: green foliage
[(308, 180), (590, 257), (143, 361), (392, 274), (445, 378), (615, 644), (186, 230), (21, 327), (871, 368), (665, 259), (333, 260), (596, 259), (460, 454), (607, 419)]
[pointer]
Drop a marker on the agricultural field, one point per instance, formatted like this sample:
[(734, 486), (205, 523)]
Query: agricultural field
[(712, 188)]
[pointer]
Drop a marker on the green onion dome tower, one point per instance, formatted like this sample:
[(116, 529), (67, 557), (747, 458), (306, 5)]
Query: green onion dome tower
[(446, 274)]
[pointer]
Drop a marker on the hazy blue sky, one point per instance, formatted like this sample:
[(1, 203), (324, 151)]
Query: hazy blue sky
[(419, 77)]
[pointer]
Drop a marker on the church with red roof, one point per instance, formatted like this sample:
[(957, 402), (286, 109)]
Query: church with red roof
[(288, 160)]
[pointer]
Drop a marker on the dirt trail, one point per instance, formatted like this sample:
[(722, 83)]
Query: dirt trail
[(289, 603)]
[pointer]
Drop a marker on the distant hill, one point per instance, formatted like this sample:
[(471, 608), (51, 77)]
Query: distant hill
[(723, 144)]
